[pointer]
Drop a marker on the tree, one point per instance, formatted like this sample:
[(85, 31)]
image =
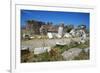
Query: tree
[(69, 27), (33, 26), (29, 26), (81, 26)]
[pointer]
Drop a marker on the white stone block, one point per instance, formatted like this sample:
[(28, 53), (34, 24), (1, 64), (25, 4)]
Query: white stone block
[(41, 50), (50, 35)]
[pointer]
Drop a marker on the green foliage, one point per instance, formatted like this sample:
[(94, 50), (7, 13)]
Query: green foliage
[(26, 56), (47, 56), (68, 28), (55, 53), (81, 26), (62, 48), (83, 45)]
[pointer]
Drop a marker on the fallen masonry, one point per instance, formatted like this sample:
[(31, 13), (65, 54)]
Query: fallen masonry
[(71, 53)]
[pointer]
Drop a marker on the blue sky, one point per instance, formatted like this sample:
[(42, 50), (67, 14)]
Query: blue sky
[(75, 18)]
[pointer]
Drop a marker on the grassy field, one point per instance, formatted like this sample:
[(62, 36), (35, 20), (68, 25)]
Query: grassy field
[(55, 53)]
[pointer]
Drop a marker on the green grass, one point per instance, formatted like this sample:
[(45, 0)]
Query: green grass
[(62, 48), (50, 56), (55, 54), (83, 45)]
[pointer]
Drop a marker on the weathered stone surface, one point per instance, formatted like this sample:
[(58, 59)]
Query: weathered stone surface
[(86, 50), (71, 53), (41, 50)]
